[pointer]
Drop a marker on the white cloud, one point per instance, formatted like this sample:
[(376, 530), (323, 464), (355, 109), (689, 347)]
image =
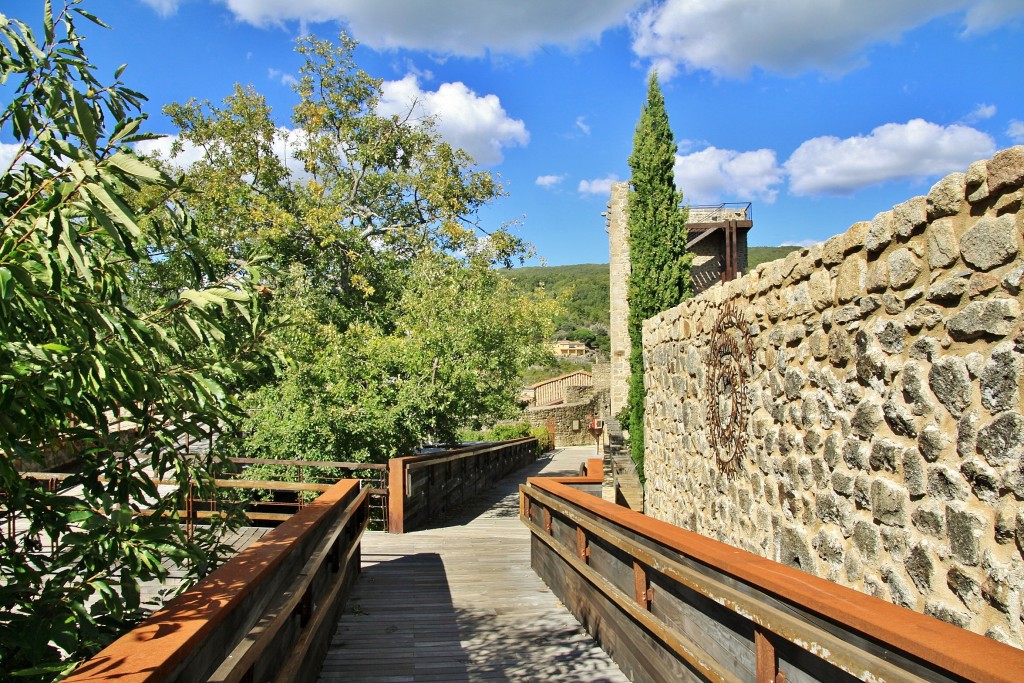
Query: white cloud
[(731, 37), (549, 181), (1016, 131), (916, 149), (985, 15), (581, 123), (713, 175), (457, 27), (597, 185), (477, 124), (164, 8), (8, 151), (283, 77), (981, 113), (286, 141), (161, 148)]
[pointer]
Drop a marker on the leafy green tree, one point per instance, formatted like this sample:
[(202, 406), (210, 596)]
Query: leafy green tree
[(660, 265), (80, 213), (391, 339), (450, 354)]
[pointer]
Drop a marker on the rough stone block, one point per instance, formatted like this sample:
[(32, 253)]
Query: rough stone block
[(991, 318), (951, 384), (909, 216), (930, 520), (977, 181), (1000, 379), (991, 242), (867, 540), (999, 439), (1005, 522), (1006, 169), (866, 418), (888, 502), (899, 418), (834, 509), (1009, 203), (947, 291), (921, 567), (820, 289), (829, 546), (795, 550), (914, 478), (839, 347), (862, 491), (878, 275), (964, 587), (904, 267), (879, 232), (943, 247), (842, 482), (924, 316), (833, 250), (891, 336), (946, 483), (981, 284), (965, 529), (852, 279), (932, 441), (984, 480), (999, 589), (947, 196), (884, 454)]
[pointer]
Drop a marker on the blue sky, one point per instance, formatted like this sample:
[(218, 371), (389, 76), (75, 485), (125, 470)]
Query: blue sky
[(820, 112)]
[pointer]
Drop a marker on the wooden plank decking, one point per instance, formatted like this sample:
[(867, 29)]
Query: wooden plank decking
[(461, 603)]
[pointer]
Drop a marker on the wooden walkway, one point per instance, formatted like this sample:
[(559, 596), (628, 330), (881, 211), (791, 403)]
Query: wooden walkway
[(461, 603)]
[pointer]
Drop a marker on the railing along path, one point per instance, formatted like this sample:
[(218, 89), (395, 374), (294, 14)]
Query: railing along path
[(459, 602)]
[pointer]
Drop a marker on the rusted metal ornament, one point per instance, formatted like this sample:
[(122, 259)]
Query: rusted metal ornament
[(729, 361)]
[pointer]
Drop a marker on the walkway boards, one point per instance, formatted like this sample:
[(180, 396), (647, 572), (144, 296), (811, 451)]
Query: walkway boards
[(461, 603)]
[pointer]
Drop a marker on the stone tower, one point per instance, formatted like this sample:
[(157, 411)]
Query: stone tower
[(618, 240)]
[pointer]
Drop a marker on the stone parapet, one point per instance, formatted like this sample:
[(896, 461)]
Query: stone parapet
[(877, 433)]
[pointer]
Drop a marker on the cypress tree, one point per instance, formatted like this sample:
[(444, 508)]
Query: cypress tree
[(660, 265)]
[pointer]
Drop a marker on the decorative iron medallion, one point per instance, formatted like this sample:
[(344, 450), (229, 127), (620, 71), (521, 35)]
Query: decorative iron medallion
[(729, 364)]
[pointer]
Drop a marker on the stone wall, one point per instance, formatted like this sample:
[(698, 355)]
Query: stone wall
[(580, 404), (619, 269), (879, 421)]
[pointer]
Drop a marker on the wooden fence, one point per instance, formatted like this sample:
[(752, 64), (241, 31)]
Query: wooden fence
[(552, 391), (422, 488), (265, 615), (671, 605)]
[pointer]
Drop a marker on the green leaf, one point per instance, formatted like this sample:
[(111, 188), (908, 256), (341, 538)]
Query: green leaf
[(115, 207), (5, 277), (90, 17), (137, 167), (84, 117), (48, 21)]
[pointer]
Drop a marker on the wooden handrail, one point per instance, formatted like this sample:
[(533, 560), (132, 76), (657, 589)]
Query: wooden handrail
[(785, 607), (192, 635), (416, 495), (311, 463)]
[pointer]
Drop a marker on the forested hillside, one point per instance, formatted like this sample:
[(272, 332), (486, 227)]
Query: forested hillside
[(583, 289)]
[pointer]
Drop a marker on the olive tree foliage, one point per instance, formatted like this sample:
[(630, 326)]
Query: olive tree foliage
[(80, 215), (659, 262), (397, 329)]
